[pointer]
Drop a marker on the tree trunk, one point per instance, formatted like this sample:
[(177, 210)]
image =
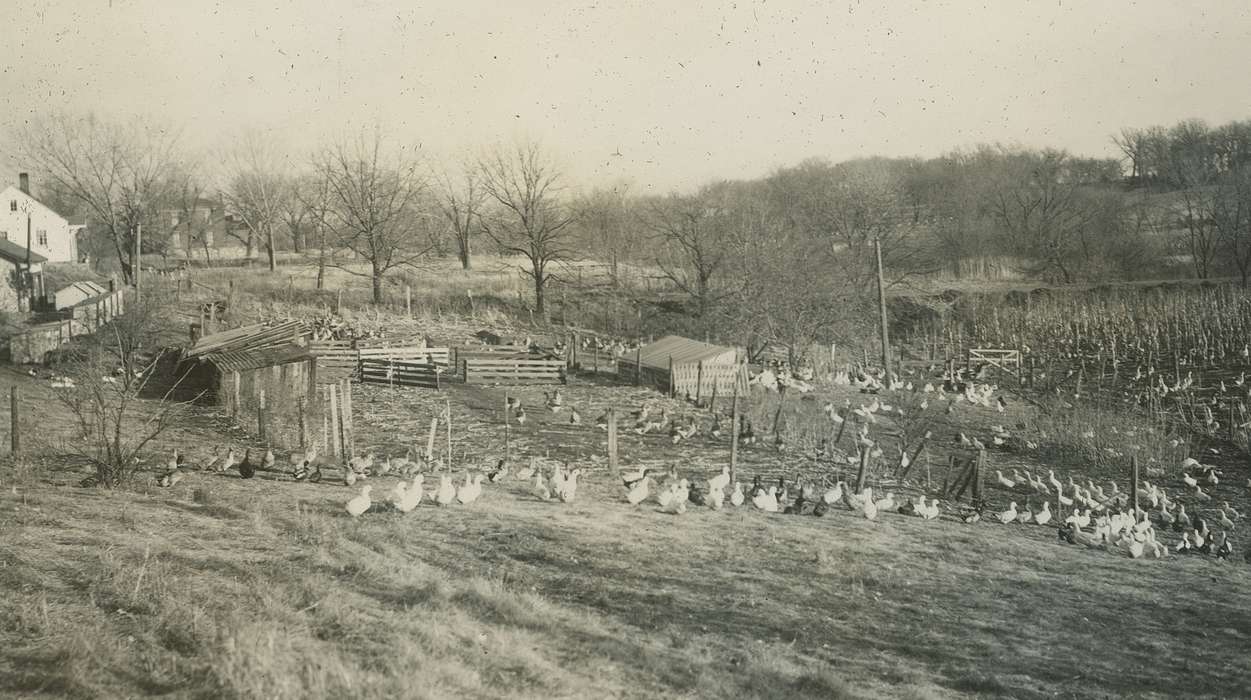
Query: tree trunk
[(248, 247), (321, 258), (377, 284), (538, 290), (465, 262), (269, 247)]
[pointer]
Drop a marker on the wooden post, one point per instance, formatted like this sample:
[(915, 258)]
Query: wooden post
[(230, 301), (673, 387), (863, 471), (408, 301), (234, 409), (595, 359), (338, 302), (335, 434), (138, 271), (638, 365), (261, 432), (574, 348), (734, 434), (434, 423), (977, 475), (1133, 485), (881, 300), (300, 408), (448, 408), (345, 418), (613, 467), (15, 439), (699, 383)]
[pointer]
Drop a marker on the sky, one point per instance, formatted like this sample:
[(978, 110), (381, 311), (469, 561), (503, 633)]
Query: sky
[(662, 95)]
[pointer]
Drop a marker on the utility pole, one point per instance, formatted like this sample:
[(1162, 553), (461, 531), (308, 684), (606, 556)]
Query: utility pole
[(139, 260), (28, 283), (881, 300)]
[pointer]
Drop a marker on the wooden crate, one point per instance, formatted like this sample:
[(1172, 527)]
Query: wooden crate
[(399, 373), (482, 370)]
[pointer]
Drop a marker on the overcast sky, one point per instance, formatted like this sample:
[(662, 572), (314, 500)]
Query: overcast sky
[(684, 91)]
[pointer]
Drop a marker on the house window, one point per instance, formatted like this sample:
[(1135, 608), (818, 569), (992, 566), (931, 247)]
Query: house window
[(41, 237), (4, 235), (12, 205)]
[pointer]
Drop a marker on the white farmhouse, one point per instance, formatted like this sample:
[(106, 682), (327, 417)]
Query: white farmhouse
[(51, 236)]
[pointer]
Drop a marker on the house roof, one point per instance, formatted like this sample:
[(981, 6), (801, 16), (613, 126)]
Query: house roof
[(682, 350), (11, 192), (61, 275), (252, 337), (15, 253), (237, 360)]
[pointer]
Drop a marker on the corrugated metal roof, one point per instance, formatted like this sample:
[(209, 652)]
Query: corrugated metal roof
[(16, 253), (254, 359), (682, 350)]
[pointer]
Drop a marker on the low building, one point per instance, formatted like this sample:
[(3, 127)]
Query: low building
[(22, 277), (690, 367)]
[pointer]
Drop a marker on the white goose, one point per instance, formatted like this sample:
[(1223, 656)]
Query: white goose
[(360, 503), (1008, 515)]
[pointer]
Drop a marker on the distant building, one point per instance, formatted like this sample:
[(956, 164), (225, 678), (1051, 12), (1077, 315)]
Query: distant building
[(17, 284), (51, 235), (204, 227)]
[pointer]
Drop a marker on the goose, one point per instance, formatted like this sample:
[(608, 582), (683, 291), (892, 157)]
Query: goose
[(666, 495), (1025, 516), (349, 477), (1190, 480), (497, 475), (540, 489), (526, 472), (676, 501), (446, 493), (229, 461), (1212, 478), (267, 462), (716, 497), (766, 500), (360, 503), (736, 497), (1051, 478), (638, 492), (469, 491), (1004, 481), (1226, 522), (887, 503), (1229, 510), (720, 481), (1199, 494), (247, 470), (397, 493), (1183, 520), (932, 511), (520, 414), (1008, 515), (1064, 500), (171, 476), (629, 479), (570, 487), (869, 508), (412, 495), (557, 481), (834, 494), (1043, 516)]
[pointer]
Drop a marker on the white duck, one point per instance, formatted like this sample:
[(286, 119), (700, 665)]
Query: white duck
[(766, 500), (737, 498), (469, 491), (360, 503), (412, 495), (720, 481), (1043, 516), (639, 492), (569, 489), (540, 488), (446, 493)]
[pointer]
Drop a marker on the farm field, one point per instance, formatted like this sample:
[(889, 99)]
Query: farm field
[(267, 588)]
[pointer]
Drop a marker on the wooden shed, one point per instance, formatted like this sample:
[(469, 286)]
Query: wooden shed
[(259, 376), (685, 367)]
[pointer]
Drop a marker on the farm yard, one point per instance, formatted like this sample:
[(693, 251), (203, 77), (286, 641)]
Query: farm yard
[(268, 587)]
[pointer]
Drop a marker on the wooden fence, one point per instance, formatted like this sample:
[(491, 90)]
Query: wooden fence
[(700, 380), (439, 357), (511, 370), (1007, 360), (474, 352), (336, 359), (399, 373)]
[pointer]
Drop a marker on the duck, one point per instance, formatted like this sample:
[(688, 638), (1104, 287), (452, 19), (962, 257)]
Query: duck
[(932, 511), (349, 477), (171, 477), (1043, 516), (397, 493), (360, 503), (267, 462), (526, 472), (540, 489), (834, 494), (1025, 516), (1004, 481), (868, 507), (638, 491), (693, 495), (520, 414), (497, 475), (887, 503), (1008, 515), (675, 502), (766, 500), (446, 493), (716, 497), (229, 461), (736, 496), (412, 495), (575, 418), (629, 479), (247, 470), (557, 481), (720, 481)]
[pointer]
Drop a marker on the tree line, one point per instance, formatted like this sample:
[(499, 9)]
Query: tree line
[(785, 258)]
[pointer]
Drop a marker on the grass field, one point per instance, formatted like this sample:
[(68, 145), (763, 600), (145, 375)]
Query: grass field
[(267, 588)]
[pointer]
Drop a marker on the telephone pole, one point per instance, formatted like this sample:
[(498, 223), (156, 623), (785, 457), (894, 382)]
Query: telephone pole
[(881, 301), (138, 259)]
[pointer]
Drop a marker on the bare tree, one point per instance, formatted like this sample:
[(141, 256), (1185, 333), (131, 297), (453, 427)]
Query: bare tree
[(692, 234), (1232, 219), (373, 205), (195, 217), (461, 203), (119, 174), (604, 224), (528, 218), (257, 190)]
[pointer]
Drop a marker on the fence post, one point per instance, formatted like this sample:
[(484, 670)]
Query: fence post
[(261, 431), (335, 434), (234, 409), (612, 444), (576, 341), (734, 434), (299, 407), (14, 423), (699, 383), (673, 387), (345, 417), (595, 359), (408, 301), (1133, 484), (862, 472), (638, 365)]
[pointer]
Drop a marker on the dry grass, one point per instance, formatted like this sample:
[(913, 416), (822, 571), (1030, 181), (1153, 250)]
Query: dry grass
[(265, 588)]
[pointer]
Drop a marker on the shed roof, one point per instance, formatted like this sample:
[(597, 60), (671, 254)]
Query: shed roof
[(238, 360), (252, 337), (682, 350), (16, 253)]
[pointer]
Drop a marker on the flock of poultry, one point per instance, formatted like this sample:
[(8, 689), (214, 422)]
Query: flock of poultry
[(1098, 517)]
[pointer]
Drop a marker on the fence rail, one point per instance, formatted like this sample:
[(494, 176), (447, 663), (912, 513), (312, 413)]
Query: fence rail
[(439, 357), (399, 373), (480, 370)]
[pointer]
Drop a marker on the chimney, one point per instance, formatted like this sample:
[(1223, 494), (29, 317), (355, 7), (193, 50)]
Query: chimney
[(23, 182)]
